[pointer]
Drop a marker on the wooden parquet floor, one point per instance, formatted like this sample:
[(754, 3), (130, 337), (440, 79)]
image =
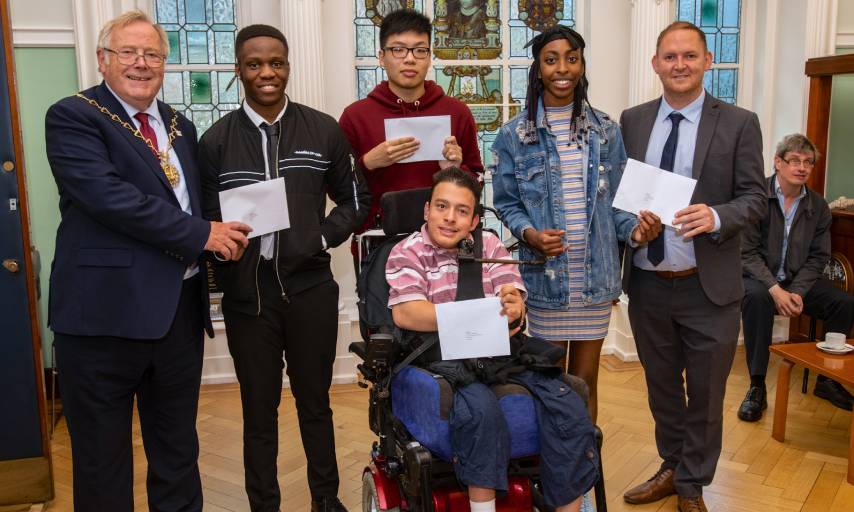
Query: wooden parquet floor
[(755, 473)]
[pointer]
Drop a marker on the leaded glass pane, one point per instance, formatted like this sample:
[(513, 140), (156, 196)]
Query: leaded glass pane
[(731, 14), (720, 20), (200, 87), (195, 11), (223, 11), (490, 221), (167, 11), (708, 13), (224, 44), (726, 84), (686, 10), (197, 47), (518, 84), (174, 48), (485, 138), (722, 83), (728, 48), (367, 77), (369, 15), (173, 88), (203, 120), (227, 94), (199, 31), (530, 17)]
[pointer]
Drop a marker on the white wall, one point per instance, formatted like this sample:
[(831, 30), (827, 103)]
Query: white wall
[(340, 80), (607, 54), (789, 81)]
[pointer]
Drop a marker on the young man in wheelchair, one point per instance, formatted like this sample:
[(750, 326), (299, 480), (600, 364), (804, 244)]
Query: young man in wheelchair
[(422, 271)]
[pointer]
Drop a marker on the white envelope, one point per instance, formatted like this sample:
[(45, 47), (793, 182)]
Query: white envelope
[(263, 206), (472, 328), (430, 131), (646, 187)]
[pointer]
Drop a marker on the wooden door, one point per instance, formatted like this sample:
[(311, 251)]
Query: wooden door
[(25, 469)]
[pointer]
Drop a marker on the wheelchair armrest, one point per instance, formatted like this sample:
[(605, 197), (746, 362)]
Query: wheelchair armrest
[(380, 351), (360, 348)]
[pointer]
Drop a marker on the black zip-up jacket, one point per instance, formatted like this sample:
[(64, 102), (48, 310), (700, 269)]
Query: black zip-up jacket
[(809, 243), (314, 158)]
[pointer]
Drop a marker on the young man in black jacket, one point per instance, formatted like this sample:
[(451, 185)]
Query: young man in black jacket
[(280, 297), (783, 258)]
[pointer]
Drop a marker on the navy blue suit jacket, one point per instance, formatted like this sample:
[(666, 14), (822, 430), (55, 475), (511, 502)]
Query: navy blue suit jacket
[(123, 243)]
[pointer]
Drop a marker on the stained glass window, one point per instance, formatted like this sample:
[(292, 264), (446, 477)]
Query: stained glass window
[(478, 54), (467, 29), (720, 20), (479, 87), (529, 17), (201, 60), (369, 15)]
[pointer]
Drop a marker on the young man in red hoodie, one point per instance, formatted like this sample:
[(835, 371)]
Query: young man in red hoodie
[(405, 55)]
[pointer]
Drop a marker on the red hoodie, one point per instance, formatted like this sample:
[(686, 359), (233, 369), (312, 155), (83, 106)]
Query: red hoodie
[(363, 125)]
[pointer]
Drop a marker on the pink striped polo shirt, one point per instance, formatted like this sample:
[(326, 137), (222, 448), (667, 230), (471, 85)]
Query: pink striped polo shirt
[(418, 270)]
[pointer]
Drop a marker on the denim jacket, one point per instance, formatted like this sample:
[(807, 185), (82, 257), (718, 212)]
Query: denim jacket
[(526, 184)]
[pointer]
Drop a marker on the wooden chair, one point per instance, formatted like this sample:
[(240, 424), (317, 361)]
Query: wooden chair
[(839, 272)]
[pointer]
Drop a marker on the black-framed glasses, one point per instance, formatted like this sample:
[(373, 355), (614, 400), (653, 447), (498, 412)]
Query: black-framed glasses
[(129, 56), (797, 162), (400, 52)]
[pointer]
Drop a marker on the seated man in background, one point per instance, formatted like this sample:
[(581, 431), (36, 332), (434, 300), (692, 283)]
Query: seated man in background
[(422, 271), (783, 257)]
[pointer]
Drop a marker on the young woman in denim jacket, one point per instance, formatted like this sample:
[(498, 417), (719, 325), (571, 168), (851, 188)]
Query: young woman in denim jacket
[(555, 172)]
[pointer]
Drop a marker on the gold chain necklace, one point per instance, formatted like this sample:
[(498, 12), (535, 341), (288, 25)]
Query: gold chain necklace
[(169, 169)]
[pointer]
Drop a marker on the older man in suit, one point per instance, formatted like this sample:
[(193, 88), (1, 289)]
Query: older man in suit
[(685, 286), (128, 303)]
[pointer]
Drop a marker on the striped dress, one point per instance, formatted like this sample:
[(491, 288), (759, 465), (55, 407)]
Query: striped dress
[(576, 321)]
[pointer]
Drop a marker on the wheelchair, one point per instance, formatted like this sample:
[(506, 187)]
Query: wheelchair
[(411, 465)]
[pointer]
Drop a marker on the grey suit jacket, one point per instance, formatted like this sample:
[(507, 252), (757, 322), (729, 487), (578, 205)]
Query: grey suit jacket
[(728, 169)]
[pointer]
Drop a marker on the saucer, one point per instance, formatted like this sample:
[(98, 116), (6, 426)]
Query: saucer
[(824, 348)]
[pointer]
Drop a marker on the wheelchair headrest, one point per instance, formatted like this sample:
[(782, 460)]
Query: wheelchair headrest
[(403, 211)]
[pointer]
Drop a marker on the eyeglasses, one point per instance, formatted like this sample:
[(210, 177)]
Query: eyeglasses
[(128, 56), (795, 162), (400, 52)]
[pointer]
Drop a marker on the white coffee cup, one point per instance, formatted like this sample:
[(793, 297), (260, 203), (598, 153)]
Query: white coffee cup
[(834, 340)]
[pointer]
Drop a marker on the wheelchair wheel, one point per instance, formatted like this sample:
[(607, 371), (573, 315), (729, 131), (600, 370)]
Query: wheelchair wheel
[(370, 498)]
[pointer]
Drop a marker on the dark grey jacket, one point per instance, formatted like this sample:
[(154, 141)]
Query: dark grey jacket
[(809, 243), (728, 168)]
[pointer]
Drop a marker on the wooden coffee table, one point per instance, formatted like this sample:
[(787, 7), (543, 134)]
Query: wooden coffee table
[(838, 368)]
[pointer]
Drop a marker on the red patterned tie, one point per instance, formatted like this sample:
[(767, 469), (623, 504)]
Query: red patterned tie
[(146, 130)]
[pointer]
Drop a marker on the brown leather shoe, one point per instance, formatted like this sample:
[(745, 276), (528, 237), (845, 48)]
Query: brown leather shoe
[(694, 504), (658, 487)]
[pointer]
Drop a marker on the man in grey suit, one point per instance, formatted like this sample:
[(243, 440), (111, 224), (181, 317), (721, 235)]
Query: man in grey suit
[(685, 286)]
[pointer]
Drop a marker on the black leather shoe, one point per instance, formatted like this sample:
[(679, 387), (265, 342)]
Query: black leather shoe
[(755, 401), (327, 504), (833, 392)]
